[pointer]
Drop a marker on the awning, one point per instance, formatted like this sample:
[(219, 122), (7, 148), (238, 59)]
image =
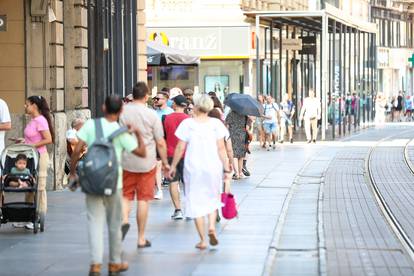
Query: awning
[(159, 54)]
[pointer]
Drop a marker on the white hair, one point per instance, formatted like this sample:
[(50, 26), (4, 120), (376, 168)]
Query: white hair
[(203, 103)]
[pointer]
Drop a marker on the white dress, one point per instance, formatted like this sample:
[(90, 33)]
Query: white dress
[(203, 170)]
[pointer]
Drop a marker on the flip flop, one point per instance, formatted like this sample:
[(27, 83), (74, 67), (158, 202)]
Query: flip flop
[(201, 247), (213, 239), (147, 244)]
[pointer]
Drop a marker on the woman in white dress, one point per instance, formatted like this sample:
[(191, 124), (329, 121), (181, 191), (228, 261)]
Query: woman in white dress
[(205, 162)]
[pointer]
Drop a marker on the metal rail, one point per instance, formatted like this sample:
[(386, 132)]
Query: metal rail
[(385, 209)]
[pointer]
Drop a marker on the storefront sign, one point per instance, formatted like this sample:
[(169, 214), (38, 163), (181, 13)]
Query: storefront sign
[(289, 44), (3, 23), (214, 42)]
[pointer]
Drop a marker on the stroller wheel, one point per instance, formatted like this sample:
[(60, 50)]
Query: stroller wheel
[(42, 222)]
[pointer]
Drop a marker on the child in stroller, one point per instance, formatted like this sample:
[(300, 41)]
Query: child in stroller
[(20, 176)]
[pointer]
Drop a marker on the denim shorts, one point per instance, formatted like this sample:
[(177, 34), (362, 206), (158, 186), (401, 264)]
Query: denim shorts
[(270, 128)]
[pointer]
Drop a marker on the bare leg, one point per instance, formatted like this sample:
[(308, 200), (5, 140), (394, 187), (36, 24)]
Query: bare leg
[(126, 209), (175, 195), (158, 175), (199, 223), (236, 167), (290, 132), (142, 216), (240, 166)]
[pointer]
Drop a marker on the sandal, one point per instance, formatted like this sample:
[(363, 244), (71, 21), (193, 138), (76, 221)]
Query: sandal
[(235, 177), (212, 237), (147, 244)]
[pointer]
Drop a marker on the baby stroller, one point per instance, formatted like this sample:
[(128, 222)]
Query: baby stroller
[(15, 211)]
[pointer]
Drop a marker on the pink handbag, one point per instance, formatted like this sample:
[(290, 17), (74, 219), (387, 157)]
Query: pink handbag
[(229, 210)]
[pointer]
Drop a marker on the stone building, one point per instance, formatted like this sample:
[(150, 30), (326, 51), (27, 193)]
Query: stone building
[(46, 49)]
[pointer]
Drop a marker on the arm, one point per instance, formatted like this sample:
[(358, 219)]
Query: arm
[(141, 150), (302, 111), (5, 126), (221, 148), (178, 153), (229, 149), (162, 151), (47, 139), (319, 110)]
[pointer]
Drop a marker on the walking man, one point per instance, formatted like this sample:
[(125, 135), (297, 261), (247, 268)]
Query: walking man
[(5, 122), (162, 110), (139, 173), (102, 208), (311, 113), (171, 123), (271, 115), (287, 111)]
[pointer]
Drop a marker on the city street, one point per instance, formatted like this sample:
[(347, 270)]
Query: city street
[(307, 209)]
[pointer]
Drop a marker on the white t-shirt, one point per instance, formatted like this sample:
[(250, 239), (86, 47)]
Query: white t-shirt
[(270, 110), (4, 118)]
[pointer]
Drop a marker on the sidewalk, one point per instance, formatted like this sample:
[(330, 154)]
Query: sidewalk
[(244, 242)]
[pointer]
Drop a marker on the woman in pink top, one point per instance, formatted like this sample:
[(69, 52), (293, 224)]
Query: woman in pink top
[(39, 133)]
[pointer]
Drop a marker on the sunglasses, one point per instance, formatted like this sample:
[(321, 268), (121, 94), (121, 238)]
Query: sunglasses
[(157, 99)]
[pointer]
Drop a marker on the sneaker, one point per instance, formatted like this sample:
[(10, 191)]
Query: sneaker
[(178, 214), (291, 141), (245, 171), (274, 146), (314, 141), (165, 182), (281, 141), (159, 195), (310, 141), (19, 225)]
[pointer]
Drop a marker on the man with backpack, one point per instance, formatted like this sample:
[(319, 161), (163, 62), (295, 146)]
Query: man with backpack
[(101, 179)]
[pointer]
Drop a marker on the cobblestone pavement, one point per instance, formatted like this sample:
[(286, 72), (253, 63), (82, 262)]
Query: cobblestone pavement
[(306, 210)]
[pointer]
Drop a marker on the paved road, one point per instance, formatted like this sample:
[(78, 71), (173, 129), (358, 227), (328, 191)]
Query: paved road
[(306, 210), (244, 242)]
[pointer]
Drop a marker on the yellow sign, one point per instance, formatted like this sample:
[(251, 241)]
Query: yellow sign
[(161, 36)]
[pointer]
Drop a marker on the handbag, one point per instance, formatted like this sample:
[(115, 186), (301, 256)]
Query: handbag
[(229, 209)]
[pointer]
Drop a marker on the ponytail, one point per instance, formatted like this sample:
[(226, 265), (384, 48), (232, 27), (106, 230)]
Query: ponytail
[(44, 109)]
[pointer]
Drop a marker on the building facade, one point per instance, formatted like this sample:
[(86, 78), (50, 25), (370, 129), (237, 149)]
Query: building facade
[(44, 50), (219, 33), (395, 42)]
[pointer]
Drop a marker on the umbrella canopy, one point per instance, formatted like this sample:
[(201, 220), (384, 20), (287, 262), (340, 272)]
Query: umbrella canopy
[(159, 54), (244, 104)]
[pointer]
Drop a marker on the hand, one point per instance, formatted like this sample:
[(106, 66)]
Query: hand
[(73, 182), (166, 169), (171, 173)]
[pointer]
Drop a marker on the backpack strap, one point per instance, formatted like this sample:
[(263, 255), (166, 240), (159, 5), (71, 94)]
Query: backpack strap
[(98, 129), (117, 132)]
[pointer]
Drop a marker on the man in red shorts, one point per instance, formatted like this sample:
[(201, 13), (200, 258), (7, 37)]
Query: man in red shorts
[(139, 173), (171, 123)]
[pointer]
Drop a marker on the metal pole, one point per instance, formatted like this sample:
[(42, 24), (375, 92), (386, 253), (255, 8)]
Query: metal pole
[(265, 86), (324, 74), (340, 78), (280, 62), (333, 83), (272, 74), (257, 55), (302, 78), (287, 69)]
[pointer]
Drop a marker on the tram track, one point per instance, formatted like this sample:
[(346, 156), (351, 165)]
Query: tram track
[(404, 235)]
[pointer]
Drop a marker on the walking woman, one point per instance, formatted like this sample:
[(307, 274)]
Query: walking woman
[(205, 161), (238, 134), (39, 133)]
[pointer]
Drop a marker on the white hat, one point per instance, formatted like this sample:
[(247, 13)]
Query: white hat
[(175, 92)]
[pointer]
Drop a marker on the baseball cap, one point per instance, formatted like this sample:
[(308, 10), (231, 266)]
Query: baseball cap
[(174, 92), (180, 100)]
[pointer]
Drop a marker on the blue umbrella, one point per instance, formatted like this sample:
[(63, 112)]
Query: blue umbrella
[(244, 104)]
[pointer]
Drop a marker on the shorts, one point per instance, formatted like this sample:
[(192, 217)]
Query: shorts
[(139, 185), (179, 175), (287, 122), (270, 128)]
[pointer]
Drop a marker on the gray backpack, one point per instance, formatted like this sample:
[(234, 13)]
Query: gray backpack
[(98, 170)]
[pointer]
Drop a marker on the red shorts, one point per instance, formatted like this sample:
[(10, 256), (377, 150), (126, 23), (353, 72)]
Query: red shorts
[(140, 185)]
